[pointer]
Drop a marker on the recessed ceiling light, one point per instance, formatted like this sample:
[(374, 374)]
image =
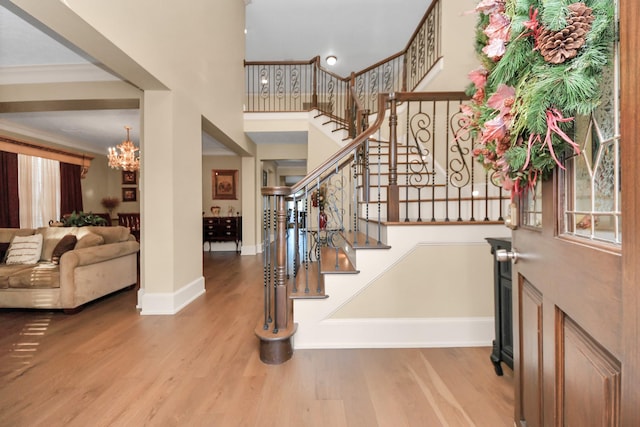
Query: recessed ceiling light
[(331, 60)]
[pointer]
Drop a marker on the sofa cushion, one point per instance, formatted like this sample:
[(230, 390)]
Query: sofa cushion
[(65, 244), (7, 271), (111, 234), (89, 239), (25, 249), (41, 276)]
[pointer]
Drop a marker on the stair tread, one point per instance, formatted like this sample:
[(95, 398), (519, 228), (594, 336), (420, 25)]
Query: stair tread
[(360, 240), (335, 261), (306, 283)]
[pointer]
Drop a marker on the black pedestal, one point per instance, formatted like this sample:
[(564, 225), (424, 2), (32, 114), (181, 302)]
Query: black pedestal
[(503, 343)]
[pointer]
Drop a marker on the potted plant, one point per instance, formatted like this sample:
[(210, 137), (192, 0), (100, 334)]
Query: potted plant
[(82, 219)]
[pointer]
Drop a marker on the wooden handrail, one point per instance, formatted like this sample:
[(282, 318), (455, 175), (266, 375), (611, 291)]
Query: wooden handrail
[(379, 63), (276, 191), (308, 62), (430, 96), (331, 161)]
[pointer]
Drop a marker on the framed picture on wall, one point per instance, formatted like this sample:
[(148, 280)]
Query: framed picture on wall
[(224, 182), (129, 178), (129, 194), (265, 178)]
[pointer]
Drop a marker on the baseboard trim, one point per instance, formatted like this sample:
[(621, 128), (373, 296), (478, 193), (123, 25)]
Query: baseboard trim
[(170, 303), (396, 333), (249, 250), (219, 246)]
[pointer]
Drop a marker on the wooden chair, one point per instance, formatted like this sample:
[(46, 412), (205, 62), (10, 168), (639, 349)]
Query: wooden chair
[(131, 221)]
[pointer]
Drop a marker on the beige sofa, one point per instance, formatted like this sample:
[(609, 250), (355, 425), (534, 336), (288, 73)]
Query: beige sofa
[(103, 260)]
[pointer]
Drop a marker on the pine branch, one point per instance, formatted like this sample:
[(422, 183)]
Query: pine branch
[(554, 14)]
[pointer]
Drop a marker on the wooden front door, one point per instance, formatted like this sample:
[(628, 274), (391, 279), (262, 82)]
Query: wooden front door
[(575, 297)]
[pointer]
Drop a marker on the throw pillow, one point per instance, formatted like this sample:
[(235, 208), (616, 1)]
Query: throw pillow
[(89, 239), (65, 244), (51, 237), (4, 246), (25, 249)]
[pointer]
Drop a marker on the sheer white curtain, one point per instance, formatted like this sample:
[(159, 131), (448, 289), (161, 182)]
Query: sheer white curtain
[(38, 190)]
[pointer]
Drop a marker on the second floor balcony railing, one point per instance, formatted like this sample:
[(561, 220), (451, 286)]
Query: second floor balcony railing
[(288, 86)]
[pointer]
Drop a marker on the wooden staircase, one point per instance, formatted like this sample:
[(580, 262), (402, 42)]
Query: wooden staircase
[(371, 186)]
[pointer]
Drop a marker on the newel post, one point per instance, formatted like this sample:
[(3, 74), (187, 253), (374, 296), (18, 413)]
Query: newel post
[(352, 108), (314, 97), (276, 327), (393, 196)]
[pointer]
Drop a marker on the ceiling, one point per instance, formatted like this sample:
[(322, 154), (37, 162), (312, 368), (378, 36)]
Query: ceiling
[(358, 32)]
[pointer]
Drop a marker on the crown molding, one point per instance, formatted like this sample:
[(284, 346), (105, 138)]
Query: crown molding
[(15, 131), (31, 74)]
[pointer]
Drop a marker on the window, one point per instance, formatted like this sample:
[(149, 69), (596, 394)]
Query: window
[(38, 190)]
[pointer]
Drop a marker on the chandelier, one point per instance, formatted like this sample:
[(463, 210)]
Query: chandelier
[(124, 155)]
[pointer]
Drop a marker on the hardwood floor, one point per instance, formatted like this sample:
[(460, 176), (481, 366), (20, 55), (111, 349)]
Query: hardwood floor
[(109, 366)]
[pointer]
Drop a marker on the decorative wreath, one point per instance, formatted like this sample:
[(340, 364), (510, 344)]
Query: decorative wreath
[(542, 63)]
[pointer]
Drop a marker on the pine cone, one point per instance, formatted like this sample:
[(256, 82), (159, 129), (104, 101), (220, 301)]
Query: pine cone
[(558, 46)]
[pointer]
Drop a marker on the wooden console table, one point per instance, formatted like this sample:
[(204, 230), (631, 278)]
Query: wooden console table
[(222, 229)]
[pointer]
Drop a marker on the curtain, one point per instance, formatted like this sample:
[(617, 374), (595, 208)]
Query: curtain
[(9, 202), (39, 191), (70, 188)]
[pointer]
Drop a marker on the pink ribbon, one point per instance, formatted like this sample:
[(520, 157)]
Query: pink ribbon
[(553, 118)]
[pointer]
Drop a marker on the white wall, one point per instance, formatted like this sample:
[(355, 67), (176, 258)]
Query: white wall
[(432, 280), (458, 46), (102, 181)]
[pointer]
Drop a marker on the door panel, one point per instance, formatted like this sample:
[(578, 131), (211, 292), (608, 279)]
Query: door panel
[(584, 281), (530, 362), (590, 379)]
